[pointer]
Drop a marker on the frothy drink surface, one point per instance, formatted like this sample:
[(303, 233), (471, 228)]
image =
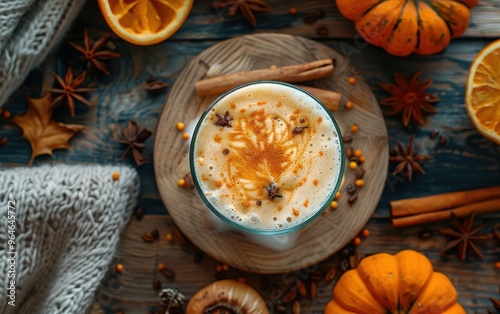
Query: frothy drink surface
[(267, 157)]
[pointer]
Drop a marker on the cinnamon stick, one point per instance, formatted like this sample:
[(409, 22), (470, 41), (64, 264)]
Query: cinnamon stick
[(427, 204), (482, 207), (329, 98), (292, 74)]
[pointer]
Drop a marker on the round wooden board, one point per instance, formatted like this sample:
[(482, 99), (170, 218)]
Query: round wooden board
[(329, 232)]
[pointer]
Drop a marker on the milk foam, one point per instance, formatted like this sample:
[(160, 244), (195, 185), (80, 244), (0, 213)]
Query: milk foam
[(234, 166)]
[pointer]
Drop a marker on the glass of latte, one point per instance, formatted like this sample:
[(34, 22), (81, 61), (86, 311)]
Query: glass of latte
[(267, 157)]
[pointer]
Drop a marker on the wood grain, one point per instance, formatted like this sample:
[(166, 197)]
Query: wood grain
[(330, 232)]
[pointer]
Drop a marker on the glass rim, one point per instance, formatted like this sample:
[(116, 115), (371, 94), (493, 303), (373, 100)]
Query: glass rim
[(249, 229)]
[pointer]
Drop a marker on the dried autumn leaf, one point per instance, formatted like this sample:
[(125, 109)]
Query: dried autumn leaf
[(44, 134)]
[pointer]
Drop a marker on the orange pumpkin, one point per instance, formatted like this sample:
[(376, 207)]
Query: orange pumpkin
[(402, 27), (401, 283)]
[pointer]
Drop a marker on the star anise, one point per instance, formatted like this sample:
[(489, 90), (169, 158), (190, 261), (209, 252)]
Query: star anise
[(93, 53), (410, 97), (272, 191), (247, 8), (70, 90), (224, 120), (409, 159), (464, 234), (134, 139)]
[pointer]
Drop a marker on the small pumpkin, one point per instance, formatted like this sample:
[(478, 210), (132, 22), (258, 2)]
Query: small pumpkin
[(401, 283), (402, 27)]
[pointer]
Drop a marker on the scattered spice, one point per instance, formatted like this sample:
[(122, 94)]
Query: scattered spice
[(434, 134), (247, 8), (280, 308), (156, 234), (409, 97), (409, 159), (188, 181), (290, 295), (349, 152), (167, 272), (139, 214), (93, 54), (70, 90), (44, 134), (359, 183), (322, 30), (115, 176), (301, 288), (312, 290), (351, 80), (348, 105), (330, 275), (442, 140), (119, 268), (360, 172), (425, 234), (365, 233), (147, 237), (464, 235), (334, 205), (180, 126), (224, 120), (350, 188), (299, 129), (354, 128), (272, 191), (134, 139), (169, 237), (156, 284), (347, 138), (352, 198), (154, 86)]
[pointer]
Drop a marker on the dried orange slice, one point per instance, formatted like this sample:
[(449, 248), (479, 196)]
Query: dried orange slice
[(145, 22), (482, 92)]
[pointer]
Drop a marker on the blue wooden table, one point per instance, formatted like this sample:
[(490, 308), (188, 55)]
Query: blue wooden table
[(466, 161)]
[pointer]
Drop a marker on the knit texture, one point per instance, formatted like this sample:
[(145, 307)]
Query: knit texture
[(29, 29), (68, 219)]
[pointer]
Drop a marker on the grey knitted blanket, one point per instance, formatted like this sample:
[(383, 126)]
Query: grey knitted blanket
[(29, 29), (66, 222)]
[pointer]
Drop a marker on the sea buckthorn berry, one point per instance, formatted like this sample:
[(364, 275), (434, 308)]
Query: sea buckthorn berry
[(348, 105), (362, 159), (334, 205), (293, 10), (365, 233), (356, 241), (497, 265), (161, 266), (169, 237), (6, 114), (354, 128), (115, 176), (337, 195), (351, 80), (358, 153), (119, 268), (185, 136), (180, 126), (353, 165), (181, 182), (359, 183)]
